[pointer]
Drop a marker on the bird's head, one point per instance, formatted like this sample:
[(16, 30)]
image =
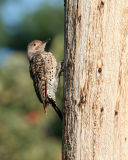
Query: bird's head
[(35, 46)]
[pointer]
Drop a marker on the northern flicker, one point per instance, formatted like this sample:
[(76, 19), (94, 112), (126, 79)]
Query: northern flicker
[(45, 73)]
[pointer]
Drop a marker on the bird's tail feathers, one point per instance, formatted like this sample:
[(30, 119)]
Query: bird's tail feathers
[(45, 108), (53, 103)]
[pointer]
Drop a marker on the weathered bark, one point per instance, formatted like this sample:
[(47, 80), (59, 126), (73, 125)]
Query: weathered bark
[(95, 123)]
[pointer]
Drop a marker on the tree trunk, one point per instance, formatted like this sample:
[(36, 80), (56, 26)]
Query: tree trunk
[(95, 125)]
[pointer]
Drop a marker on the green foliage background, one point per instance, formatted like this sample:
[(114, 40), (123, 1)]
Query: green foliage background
[(26, 132)]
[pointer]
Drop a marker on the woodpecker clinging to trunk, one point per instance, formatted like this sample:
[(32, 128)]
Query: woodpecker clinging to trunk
[(45, 73)]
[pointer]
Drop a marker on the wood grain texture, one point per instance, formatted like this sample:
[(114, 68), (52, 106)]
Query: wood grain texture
[(95, 123)]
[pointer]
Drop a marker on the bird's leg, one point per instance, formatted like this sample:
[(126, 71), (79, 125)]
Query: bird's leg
[(62, 67)]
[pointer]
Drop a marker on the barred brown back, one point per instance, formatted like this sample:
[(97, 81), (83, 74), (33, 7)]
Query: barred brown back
[(38, 74)]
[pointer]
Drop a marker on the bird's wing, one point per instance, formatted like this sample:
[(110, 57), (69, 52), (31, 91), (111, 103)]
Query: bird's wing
[(38, 74)]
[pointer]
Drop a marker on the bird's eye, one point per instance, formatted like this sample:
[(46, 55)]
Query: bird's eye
[(34, 44)]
